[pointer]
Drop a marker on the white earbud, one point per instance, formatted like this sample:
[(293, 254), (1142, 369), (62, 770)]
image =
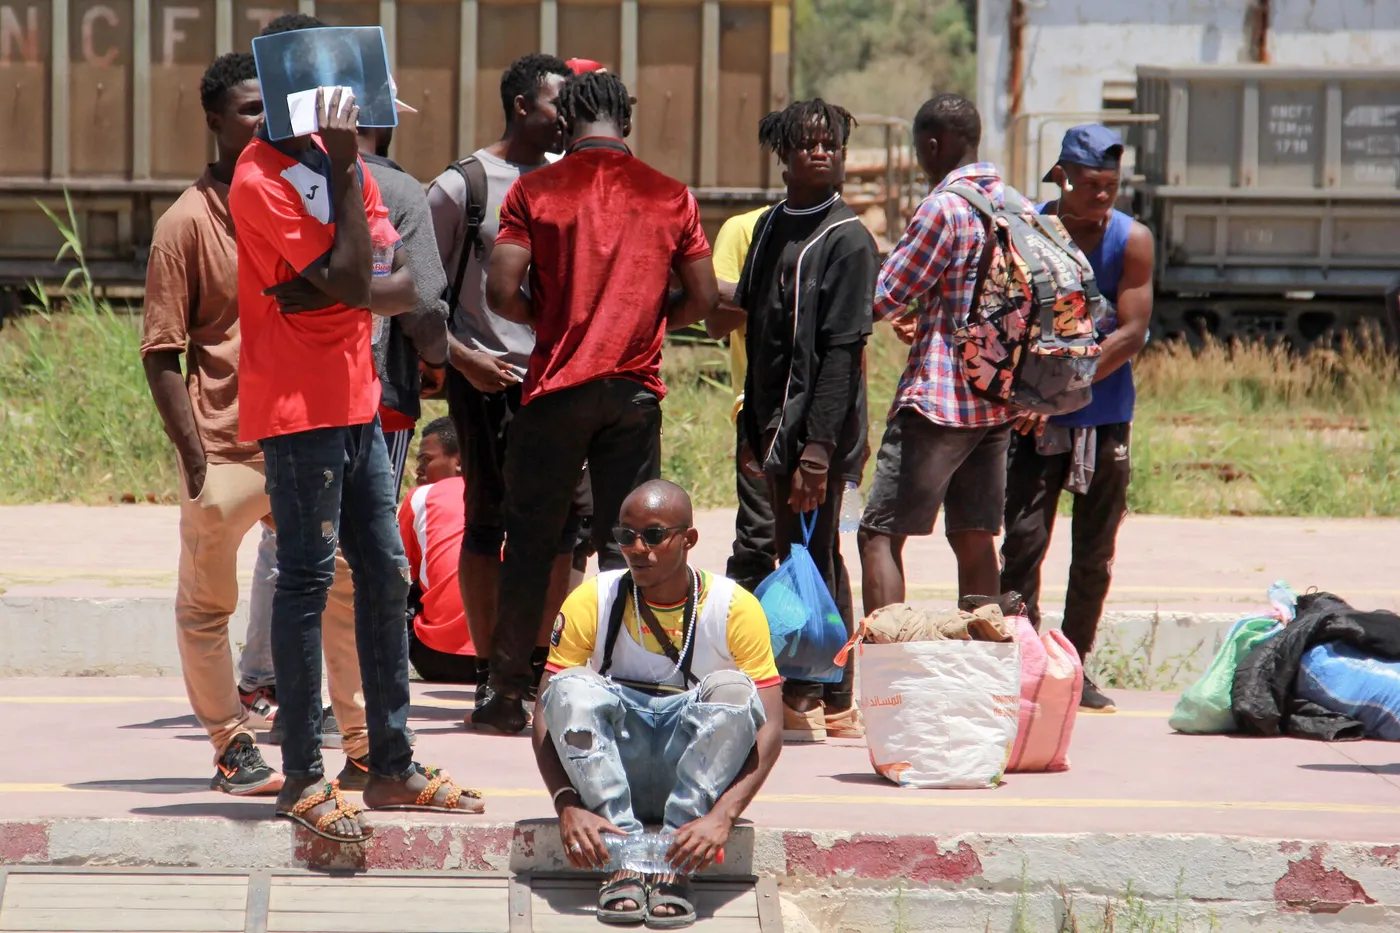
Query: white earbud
[(1069, 185)]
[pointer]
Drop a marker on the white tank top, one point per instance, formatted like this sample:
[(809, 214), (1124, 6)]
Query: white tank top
[(631, 661)]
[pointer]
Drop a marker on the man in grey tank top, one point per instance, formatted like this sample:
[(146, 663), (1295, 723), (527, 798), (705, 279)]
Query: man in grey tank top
[(489, 354)]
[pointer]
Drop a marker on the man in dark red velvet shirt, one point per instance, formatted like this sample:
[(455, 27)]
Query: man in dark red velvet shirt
[(598, 235)]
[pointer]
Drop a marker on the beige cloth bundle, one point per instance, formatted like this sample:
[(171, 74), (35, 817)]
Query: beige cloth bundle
[(904, 623)]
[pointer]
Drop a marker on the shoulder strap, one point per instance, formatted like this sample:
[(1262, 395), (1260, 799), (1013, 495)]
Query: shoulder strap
[(983, 205), (668, 647), (984, 265), (474, 174), (974, 197), (619, 606)]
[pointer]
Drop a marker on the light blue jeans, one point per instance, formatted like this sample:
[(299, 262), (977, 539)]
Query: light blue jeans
[(636, 758), (255, 662)]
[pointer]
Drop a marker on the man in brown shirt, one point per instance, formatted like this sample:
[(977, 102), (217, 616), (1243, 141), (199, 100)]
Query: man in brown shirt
[(192, 309)]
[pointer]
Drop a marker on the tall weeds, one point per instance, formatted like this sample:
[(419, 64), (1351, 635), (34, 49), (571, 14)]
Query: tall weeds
[(1227, 429), (76, 420)]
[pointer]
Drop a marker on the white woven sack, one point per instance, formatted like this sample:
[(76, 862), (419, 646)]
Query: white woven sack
[(940, 713)]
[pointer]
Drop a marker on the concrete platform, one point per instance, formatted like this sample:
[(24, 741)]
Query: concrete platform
[(1216, 565), (89, 590), (1257, 834)]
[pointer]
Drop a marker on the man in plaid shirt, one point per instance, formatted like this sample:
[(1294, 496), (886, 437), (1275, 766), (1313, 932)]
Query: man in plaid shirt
[(942, 444)]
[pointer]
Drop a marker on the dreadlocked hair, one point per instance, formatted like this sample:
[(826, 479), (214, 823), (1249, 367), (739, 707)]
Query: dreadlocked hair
[(595, 97), (228, 69), (785, 130)]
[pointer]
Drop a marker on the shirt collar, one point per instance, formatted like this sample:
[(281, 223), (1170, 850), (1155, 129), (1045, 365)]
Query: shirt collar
[(216, 194), (968, 172), (599, 142), (375, 159)]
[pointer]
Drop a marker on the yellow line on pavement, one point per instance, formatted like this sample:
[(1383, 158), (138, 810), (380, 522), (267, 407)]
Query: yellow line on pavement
[(433, 704), (914, 798), (68, 700)]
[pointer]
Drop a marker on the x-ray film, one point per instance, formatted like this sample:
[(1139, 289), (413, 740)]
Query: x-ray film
[(290, 63)]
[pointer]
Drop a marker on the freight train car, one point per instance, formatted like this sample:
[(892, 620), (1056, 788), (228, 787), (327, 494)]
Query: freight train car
[(1274, 193), (102, 99)]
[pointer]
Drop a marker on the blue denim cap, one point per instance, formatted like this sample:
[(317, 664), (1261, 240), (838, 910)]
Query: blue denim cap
[(1091, 145)]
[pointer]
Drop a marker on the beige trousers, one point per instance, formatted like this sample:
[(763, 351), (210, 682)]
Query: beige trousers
[(212, 527)]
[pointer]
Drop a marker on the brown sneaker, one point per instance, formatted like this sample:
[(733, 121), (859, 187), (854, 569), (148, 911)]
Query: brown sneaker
[(804, 727), (846, 724)]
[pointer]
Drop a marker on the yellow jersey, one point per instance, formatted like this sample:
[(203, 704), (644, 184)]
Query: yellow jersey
[(742, 633), (730, 250)]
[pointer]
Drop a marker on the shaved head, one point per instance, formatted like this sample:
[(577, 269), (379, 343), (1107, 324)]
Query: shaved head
[(660, 501), (659, 570)]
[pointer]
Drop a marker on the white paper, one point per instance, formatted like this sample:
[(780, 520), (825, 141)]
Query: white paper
[(301, 107)]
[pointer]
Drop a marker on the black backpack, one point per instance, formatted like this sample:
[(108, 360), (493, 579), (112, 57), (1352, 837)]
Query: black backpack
[(474, 174)]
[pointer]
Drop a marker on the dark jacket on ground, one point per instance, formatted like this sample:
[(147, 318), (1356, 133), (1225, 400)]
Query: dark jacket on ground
[(423, 331), (1262, 698)]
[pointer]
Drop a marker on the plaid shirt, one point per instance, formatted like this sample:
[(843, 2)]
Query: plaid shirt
[(935, 265)]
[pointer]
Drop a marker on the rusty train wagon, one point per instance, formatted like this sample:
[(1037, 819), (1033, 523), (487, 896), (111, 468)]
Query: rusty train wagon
[(103, 100)]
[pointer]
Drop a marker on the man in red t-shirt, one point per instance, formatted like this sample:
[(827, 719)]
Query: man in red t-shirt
[(432, 522), (310, 222), (598, 234)]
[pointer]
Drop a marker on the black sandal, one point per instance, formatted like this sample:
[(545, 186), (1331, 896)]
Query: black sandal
[(677, 893), (631, 888)]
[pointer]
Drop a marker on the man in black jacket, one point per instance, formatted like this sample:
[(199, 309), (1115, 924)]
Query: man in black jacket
[(808, 287)]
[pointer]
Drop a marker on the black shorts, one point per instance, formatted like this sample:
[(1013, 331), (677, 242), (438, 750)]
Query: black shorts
[(923, 466), (482, 421)]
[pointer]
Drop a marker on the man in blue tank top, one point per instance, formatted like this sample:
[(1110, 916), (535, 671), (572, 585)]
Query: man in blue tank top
[(1087, 451)]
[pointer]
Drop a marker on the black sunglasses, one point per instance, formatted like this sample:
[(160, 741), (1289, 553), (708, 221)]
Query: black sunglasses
[(654, 537)]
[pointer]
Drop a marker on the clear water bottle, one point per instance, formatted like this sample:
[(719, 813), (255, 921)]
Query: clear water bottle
[(639, 852), (382, 251), (851, 508)]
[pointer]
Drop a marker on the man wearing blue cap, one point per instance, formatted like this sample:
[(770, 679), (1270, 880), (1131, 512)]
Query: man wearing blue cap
[(1087, 451)]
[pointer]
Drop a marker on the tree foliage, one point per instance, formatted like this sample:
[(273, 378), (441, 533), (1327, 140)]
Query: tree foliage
[(884, 56)]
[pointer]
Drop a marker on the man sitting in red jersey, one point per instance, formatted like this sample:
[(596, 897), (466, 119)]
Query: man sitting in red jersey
[(431, 521)]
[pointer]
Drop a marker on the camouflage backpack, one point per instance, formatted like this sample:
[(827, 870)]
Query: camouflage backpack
[(1029, 340)]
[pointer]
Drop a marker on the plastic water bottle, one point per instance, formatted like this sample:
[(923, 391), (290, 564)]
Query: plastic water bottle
[(851, 509), (382, 251), (639, 852)]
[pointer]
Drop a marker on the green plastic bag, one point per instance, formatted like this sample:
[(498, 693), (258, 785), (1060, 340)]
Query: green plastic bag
[(1204, 709)]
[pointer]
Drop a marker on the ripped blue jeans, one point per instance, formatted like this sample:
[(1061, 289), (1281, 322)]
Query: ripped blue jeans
[(332, 486), (636, 758)]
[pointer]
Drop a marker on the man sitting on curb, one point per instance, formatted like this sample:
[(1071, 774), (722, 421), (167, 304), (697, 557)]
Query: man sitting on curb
[(658, 657)]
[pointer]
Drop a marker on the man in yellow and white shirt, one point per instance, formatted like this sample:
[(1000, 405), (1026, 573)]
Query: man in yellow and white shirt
[(660, 703), (755, 553)]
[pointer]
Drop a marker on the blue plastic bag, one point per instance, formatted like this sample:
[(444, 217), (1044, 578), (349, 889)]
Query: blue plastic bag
[(805, 626), (1341, 678)]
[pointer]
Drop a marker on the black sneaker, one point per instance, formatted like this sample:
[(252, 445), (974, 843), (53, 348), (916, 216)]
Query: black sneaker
[(242, 772), (502, 714), (1093, 700), (355, 775)]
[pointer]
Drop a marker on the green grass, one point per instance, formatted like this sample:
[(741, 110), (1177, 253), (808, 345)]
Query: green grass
[(76, 420), (1244, 430)]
